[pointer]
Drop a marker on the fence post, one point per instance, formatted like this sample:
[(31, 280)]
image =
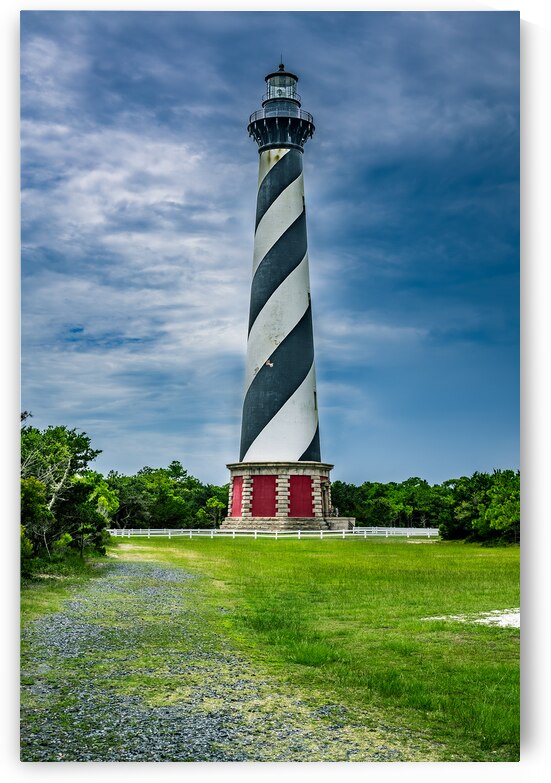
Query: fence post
[(233, 534), (321, 534), (255, 534), (365, 533), (212, 533), (343, 532), (299, 535), (276, 535), (386, 533)]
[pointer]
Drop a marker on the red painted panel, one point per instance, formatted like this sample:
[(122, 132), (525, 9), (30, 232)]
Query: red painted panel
[(237, 496), (264, 496), (300, 501)]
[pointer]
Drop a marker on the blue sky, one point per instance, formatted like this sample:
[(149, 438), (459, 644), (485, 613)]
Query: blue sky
[(138, 196)]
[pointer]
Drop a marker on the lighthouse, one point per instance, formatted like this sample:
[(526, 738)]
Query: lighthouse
[(280, 482)]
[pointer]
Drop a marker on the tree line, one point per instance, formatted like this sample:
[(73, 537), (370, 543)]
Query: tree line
[(484, 507), (67, 507)]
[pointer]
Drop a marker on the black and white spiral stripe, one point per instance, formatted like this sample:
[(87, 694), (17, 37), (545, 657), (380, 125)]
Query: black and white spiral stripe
[(280, 418)]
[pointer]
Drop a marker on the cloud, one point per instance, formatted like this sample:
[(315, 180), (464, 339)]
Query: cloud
[(134, 289), (138, 190), (352, 339), (49, 71)]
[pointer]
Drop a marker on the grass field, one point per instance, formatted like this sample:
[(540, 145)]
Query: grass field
[(347, 617)]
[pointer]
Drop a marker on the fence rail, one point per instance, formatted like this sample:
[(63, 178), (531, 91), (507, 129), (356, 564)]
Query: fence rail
[(358, 532)]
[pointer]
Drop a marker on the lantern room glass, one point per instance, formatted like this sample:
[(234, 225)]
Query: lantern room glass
[(281, 86)]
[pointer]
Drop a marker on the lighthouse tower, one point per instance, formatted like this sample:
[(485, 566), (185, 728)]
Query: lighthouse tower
[(280, 482)]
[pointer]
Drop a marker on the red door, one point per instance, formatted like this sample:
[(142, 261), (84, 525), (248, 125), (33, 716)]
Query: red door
[(300, 500), (237, 496), (264, 496)]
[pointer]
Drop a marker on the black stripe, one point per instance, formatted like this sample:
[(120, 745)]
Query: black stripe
[(277, 264), (280, 176), (273, 386), (313, 452)]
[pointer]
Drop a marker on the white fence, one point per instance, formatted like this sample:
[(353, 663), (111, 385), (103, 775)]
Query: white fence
[(358, 532)]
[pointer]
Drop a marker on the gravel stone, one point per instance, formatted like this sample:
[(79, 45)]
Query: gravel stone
[(131, 670)]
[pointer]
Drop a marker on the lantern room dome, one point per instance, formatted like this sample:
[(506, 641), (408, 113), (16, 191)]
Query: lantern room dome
[(281, 85)]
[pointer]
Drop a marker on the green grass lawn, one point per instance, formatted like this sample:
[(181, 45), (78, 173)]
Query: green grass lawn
[(347, 618)]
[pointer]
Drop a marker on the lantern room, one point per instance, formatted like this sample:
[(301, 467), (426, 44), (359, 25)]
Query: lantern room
[(281, 86)]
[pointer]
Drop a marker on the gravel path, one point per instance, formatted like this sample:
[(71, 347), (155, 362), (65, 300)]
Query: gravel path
[(131, 670)]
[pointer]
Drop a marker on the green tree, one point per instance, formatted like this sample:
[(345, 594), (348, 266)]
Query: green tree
[(104, 496), (83, 515), (166, 498), (51, 461), (379, 512), (347, 498), (54, 456), (37, 520), (500, 517), (211, 513), (135, 503), (469, 499), (418, 495), (26, 553)]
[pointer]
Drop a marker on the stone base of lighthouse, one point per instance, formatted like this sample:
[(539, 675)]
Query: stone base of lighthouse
[(282, 496)]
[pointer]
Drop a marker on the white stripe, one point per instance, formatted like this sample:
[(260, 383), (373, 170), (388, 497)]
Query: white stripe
[(287, 207), (287, 436), (277, 319), (268, 159)]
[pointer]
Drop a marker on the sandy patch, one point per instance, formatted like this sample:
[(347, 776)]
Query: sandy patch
[(504, 618), (51, 576), (131, 546)]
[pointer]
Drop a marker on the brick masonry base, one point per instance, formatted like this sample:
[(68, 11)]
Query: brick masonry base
[(320, 497), (289, 523)]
